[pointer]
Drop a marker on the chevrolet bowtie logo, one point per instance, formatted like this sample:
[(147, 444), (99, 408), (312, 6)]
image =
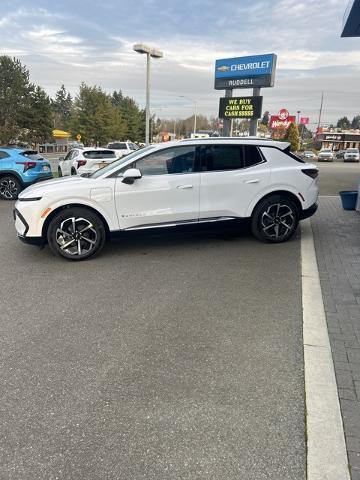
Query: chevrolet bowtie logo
[(223, 68)]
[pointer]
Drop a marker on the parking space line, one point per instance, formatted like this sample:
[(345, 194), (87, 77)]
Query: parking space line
[(326, 451)]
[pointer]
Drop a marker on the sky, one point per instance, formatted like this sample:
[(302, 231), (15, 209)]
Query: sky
[(72, 41)]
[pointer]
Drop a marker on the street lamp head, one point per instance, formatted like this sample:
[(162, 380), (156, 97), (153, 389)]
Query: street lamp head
[(141, 48), (156, 53)]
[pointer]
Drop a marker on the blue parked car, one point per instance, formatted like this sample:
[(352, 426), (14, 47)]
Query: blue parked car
[(20, 168)]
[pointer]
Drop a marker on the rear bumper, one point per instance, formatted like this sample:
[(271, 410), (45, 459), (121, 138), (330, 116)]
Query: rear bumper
[(309, 212)]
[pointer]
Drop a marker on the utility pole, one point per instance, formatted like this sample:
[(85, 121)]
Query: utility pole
[(320, 111)]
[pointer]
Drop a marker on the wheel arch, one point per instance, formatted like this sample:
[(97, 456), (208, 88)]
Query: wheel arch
[(284, 193), (73, 205), (4, 173)]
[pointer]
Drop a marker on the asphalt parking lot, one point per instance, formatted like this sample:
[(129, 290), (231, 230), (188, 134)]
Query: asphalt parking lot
[(166, 357)]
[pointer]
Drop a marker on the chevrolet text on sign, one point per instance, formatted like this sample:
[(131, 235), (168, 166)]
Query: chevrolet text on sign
[(238, 72), (240, 107)]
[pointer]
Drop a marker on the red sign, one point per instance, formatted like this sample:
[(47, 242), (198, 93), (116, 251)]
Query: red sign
[(276, 121), (304, 120)]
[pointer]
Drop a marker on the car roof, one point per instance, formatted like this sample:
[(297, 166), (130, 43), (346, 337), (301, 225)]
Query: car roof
[(13, 149)]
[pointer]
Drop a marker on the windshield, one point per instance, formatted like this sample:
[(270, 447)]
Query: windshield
[(352, 150), (325, 151), (117, 163)]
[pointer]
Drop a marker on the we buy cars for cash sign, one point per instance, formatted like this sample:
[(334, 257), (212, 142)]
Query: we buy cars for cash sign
[(283, 119)]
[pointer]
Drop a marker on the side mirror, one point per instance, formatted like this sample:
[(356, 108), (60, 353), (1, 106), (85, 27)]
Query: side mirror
[(130, 175)]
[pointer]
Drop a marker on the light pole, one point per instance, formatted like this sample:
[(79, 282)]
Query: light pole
[(150, 52), (195, 109), (298, 116)]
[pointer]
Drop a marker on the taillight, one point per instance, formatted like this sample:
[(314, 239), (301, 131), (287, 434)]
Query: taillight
[(27, 165), (311, 172), (81, 163)]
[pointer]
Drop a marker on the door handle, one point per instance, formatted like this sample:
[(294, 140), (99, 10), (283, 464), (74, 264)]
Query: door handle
[(255, 180), (183, 187)]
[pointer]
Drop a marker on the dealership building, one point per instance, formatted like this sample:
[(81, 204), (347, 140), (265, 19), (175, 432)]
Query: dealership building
[(337, 139)]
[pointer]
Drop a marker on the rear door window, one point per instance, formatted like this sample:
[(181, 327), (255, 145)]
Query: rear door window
[(252, 156), (221, 157)]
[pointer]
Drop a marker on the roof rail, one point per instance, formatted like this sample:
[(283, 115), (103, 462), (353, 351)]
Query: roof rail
[(226, 138)]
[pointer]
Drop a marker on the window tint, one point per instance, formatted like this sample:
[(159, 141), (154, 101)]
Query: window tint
[(222, 157), (171, 160), (4, 155), (118, 146), (95, 154), (32, 154), (252, 155)]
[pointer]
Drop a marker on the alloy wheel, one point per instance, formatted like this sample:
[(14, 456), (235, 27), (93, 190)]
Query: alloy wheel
[(76, 236), (277, 221), (8, 188)]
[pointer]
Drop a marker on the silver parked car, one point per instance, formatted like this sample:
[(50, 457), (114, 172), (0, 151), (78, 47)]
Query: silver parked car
[(326, 155)]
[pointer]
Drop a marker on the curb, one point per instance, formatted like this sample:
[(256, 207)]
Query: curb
[(326, 449)]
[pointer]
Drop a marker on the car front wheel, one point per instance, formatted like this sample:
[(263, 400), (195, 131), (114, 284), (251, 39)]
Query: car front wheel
[(76, 234), (275, 219), (10, 187)]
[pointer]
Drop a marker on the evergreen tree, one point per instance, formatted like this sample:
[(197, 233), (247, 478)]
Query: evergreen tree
[(343, 123), (62, 106), (132, 115), (265, 119), (14, 95), (36, 120), (95, 117), (356, 122), (292, 136)]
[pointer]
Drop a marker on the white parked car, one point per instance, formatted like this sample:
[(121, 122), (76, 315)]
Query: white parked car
[(351, 155), (80, 161), (326, 155), (122, 148), (171, 184)]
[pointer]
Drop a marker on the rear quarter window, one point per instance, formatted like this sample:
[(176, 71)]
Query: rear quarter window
[(278, 156)]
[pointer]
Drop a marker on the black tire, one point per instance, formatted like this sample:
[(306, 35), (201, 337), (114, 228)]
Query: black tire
[(73, 171), (77, 247), (59, 172), (10, 187), (275, 219)]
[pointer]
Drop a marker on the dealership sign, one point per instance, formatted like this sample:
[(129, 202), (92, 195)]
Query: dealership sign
[(304, 120), (282, 119), (240, 107), (245, 72)]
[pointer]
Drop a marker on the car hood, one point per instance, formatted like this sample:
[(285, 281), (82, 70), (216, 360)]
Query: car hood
[(49, 186)]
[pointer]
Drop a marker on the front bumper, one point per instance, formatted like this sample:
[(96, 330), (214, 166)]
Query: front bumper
[(309, 212), (22, 228)]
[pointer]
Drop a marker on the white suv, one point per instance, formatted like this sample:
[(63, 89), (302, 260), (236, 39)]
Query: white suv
[(122, 148), (80, 161), (171, 184), (351, 155)]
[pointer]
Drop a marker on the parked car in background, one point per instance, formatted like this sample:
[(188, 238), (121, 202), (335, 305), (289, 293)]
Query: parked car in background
[(339, 155), (87, 160), (326, 155), (185, 183), (351, 155), (122, 148), (20, 168), (309, 155)]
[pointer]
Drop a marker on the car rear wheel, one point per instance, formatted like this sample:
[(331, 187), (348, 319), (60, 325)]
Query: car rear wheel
[(275, 219), (76, 234), (73, 171), (59, 172), (10, 187)]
